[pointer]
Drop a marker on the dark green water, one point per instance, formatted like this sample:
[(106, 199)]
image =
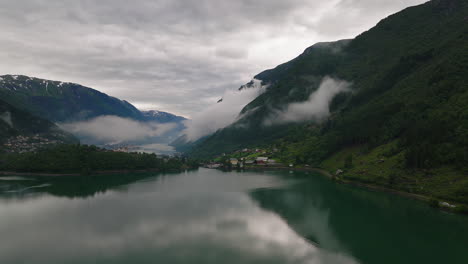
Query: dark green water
[(209, 216)]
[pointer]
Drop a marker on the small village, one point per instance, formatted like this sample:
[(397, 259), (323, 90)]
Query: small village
[(248, 158), (23, 144), (120, 148)]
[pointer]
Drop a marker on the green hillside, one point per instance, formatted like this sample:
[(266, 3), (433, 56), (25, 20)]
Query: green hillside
[(409, 77), (15, 122)]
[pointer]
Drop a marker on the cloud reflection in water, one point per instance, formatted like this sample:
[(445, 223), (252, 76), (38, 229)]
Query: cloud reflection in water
[(156, 221)]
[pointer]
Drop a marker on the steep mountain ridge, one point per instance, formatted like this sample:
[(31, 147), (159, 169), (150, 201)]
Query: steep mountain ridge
[(399, 71), (62, 101), (162, 117)]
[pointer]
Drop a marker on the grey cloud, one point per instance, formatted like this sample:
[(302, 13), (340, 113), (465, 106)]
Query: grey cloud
[(359, 15), (171, 54), (232, 53), (156, 148)]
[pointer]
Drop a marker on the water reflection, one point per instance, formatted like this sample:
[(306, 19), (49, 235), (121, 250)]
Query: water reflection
[(71, 187), (370, 226), (195, 217), (209, 216)]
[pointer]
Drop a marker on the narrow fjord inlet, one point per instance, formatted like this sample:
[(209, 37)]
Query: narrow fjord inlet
[(203, 216)]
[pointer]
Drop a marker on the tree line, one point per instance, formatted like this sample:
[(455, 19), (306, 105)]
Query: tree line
[(85, 159)]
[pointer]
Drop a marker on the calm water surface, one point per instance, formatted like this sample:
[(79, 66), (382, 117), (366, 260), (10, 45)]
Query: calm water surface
[(209, 216)]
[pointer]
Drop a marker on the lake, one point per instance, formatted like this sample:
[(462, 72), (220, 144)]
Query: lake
[(210, 216)]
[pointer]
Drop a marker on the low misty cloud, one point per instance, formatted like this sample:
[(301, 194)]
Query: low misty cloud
[(6, 117), (156, 148), (222, 114), (315, 108), (114, 129)]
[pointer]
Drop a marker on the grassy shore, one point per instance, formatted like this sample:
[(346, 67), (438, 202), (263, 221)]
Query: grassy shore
[(384, 169), (330, 172)]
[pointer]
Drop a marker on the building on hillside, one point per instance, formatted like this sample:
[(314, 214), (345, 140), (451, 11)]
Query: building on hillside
[(234, 161), (272, 162), (214, 166), (261, 160), (249, 162)]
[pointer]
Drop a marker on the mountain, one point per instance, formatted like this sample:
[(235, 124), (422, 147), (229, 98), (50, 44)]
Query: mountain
[(162, 117), (88, 113), (406, 59), (405, 108), (69, 102), (62, 101), (18, 127)]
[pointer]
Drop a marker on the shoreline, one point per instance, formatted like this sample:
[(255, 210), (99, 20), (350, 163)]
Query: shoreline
[(323, 172), (349, 182), (371, 187), (93, 173)]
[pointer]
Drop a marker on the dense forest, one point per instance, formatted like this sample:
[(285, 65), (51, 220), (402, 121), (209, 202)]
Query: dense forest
[(86, 159)]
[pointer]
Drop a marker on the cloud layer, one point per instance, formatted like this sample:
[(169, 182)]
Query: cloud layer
[(6, 117), (315, 108), (172, 55), (221, 114), (114, 130)]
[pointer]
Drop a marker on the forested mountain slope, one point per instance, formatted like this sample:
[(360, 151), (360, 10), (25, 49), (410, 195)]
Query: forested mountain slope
[(15, 122), (408, 76)]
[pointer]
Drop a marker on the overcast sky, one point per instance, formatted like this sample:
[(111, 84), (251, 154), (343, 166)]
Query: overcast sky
[(172, 55)]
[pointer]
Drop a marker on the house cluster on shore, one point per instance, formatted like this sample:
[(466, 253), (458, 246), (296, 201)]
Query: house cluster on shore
[(260, 161), (244, 163), (22, 144)]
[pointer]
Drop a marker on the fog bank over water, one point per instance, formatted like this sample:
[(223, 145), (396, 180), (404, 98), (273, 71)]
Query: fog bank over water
[(150, 137), (114, 129)]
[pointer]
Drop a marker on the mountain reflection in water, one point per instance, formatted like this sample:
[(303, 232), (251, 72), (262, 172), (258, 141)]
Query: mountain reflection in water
[(203, 216)]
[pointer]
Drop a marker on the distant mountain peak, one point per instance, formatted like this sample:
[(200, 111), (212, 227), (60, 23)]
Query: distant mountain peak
[(152, 112), (27, 81), (162, 117)]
